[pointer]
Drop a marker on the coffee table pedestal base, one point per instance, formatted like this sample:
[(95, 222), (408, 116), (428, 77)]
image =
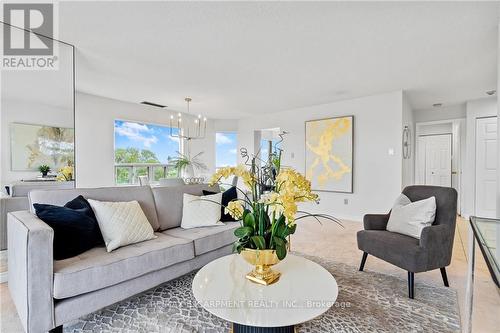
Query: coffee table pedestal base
[(237, 328)]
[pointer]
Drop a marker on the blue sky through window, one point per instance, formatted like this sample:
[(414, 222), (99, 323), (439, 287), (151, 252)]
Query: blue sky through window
[(226, 147), (141, 136)]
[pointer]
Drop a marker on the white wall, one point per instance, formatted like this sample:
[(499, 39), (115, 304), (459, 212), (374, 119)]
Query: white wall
[(17, 111), (94, 130), (377, 128), (408, 165), (498, 137), (442, 113), (484, 107)]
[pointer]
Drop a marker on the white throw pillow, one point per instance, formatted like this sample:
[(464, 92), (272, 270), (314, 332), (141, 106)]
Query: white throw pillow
[(121, 223), (409, 218), (201, 211)]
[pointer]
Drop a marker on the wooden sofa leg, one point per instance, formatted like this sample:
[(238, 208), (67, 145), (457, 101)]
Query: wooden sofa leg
[(363, 261), (445, 277), (411, 285), (58, 329)]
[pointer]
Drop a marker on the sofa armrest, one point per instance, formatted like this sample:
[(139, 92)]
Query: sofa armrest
[(375, 221), (30, 265)]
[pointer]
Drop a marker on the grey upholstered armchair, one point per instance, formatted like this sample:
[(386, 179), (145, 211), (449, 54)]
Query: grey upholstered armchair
[(434, 248)]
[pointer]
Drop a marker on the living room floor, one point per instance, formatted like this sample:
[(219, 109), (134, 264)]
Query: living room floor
[(333, 242)]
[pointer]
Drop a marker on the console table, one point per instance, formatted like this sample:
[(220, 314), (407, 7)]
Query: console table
[(487, 233), (304, 291)]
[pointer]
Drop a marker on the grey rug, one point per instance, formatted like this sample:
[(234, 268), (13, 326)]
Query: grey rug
[(367, 302)]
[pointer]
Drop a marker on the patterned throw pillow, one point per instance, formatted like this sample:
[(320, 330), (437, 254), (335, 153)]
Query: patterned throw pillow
[(121, 223)]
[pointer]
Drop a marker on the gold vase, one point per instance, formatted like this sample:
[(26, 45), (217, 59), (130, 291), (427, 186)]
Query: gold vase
[(262, 260)]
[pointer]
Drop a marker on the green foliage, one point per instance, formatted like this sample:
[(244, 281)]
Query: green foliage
[(134, 155), (261, 232), (44, 168)]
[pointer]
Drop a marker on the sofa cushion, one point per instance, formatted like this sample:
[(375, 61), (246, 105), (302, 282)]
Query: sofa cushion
[(96, 269), (142, 194), (397, 249), (169, 199), (206, 239)]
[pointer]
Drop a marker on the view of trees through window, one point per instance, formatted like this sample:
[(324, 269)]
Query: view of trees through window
[(226, 147), (144, 150)]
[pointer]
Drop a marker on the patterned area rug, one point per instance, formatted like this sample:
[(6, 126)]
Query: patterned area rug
[(367, 302)]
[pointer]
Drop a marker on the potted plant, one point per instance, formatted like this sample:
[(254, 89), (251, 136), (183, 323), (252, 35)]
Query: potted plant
[(186, 165), (44, 169), (268, 212)]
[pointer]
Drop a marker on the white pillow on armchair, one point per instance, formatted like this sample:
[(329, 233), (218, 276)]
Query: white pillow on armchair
[(409, 218)]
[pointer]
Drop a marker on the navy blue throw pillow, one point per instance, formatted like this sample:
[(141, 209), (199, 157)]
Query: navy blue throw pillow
[(75, 227), (228, 195)]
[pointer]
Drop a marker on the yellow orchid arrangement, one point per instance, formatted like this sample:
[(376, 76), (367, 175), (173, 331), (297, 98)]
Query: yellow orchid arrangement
[(269, 208)]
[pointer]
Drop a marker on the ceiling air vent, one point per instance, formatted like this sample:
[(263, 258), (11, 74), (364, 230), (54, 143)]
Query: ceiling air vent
[(153, 104)]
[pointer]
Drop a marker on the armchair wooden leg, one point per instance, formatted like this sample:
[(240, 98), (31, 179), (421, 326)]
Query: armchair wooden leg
[(444, 276), (58, 329), (363, 261), (411, 285)]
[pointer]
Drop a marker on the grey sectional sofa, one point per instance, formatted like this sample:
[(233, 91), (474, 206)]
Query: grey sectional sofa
[(49, 293)]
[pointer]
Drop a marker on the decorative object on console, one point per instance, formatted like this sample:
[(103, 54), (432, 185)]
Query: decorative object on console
[(201, 213), (33, 145), (66, 173), (200, 126), (268, 212), (194, 180), (329, 154), (44, 169), (75, 227), (121, 223)]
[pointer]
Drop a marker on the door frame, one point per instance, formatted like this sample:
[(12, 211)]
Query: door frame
[(457, 146), (474, 174)]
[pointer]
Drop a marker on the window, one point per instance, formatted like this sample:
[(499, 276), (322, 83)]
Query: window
[(143, 150), (264, 150), (226, 147)]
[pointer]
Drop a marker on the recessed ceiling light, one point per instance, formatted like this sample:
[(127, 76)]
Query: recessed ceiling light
[(491, 92), (437, 105), (153, 104)]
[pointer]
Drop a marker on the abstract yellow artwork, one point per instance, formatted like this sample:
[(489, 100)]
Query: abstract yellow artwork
[(329, 154)]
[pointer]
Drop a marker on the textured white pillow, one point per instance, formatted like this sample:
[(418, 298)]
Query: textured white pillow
[(409, 218), (121, 223), (199, 212)]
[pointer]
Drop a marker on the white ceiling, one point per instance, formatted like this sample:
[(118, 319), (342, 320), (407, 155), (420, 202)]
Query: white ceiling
[(242, 58)]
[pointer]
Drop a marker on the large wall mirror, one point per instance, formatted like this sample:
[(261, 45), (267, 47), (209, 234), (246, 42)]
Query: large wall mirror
[(37, 122)]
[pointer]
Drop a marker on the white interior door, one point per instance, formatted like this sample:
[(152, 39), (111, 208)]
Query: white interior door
[(438, 160), (486, 166)]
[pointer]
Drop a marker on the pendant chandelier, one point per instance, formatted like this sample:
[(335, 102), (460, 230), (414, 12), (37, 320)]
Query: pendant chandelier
[(187, 131)]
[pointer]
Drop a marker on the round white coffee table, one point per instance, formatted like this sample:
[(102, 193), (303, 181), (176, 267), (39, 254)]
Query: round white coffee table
[(304, 291)]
